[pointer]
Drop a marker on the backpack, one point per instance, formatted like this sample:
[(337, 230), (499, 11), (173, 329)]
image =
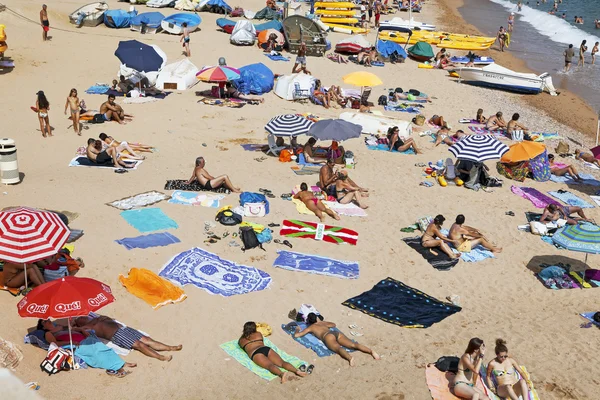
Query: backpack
[(265, 236), (56, 360), (382, 101), (98, 119), (228, 217), (447, 363), (249, 238)]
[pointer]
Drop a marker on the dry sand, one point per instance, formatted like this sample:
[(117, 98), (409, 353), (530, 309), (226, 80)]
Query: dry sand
[(501, 297)]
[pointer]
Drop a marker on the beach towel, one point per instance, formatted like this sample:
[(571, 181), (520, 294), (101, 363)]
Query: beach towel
[(596, 199), (500, 134), (590, 165), (139, 200), (536, 197), (180, 184), (118, 94), (436, 257), (151, 240), (396, 303), (312, 230), (570, 199), (408, 109), (253, 146), (81, 161), (74, 235), (277, 57), (151, 288), (556, 278), (234, 350), (140, 100), (439, 385), (310, 341), (477, 253), (98, 355), (533, 395), (306, 169), (586, 179), (348, 210), (312, 264), (148, 219), (588, 315), (196, 199), (97, 89), (231, 103), (385, 147), (213, 274)]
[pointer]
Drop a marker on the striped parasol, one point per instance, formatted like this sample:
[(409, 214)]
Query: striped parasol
[(218, 74), (478, 148), (584, 237), (288, 125)]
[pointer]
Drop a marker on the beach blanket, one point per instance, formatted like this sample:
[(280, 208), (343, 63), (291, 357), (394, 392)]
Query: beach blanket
[(570, 199), (586, 179), (310, 341), (180, 184), (196, 199), (306, 169), (231, 103), (81, 161), (213, 274), (436, 257), (277, 57), (148, 219), (253, 146), (556, 278), (312, 264), (151, 288), (396, 303), (588, 315), (312, 230), (140, 100), (484, 131), (139, 200), (234, 350), (97, 89), (98, 355), (536, 197), (477, 253), (590, 165), (385, 147), (348, 210), (402, 108), (151, 240)]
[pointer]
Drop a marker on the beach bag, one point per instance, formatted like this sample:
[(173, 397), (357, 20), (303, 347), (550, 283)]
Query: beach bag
[(56, 360), (53, 274), (447, 364), (596, 317), (419, 120), (228, 217), (254, 209), (98, 119), (306, 309), (285, 156), (517, 136), (265, 236), (424, 223), (238, 12), (562, 148), (382, 101), (249, 238), (251, 197)]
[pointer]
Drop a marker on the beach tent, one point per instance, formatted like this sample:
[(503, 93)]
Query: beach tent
[(421, 51), (386, 48), (243, 33), (255, 79), (186, 5), (215, 6), (180, 75), (263, 37), (267, 13), (119, 18), (294, 86)]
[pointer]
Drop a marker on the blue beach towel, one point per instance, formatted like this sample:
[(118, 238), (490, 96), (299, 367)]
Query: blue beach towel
[(252, 146), (97, 89), (385, 147), (310, 341), (278, 57), (148, 220), (213, 274), (98, 355), (588, 179), (477, 253), (316, 264), (570, 199), (151, 240), (590, 317), (411, 110)]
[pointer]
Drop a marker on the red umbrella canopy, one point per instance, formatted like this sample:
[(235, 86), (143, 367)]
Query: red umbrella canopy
[(65, 297), (28, 235)]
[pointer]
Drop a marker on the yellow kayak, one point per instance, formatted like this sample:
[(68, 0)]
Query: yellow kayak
[(454, 36), (352, 30), (402, 39), (426, 66), (449, 44), (327, 4), (333, 20), (348, 13)]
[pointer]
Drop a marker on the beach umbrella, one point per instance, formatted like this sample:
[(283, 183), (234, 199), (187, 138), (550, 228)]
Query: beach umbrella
[(263, 36), (334, 129), (139, 56), (478, 148), (596, 152), (220, 73), (584, 237), (28, 235), (362, 78), (288, 125), (523, 151), (64, 298)]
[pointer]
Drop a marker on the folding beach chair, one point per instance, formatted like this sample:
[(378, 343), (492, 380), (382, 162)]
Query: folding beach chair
[(299, 93), (273, 148)]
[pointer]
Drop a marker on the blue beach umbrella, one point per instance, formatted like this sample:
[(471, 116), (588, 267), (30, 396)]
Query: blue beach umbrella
[(334, 129), (139, 56), (584, 237)]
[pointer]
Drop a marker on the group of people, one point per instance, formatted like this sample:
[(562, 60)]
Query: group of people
[(569, 53), (108, 151)]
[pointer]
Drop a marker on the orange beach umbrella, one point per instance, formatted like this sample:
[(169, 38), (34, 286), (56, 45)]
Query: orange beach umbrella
[(523, 151)]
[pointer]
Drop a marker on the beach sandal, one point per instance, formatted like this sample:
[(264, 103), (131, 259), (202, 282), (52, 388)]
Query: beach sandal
[(353, 326), (270, 195), (286, 196), (512, 214), (310, 369), (420, 165), (211, 240), (265, 191), (354, 333), (226, 234), (288, 244), (302, 368), (233, 243), (120, 171), (272, 225), (213, 236), (117, 374)]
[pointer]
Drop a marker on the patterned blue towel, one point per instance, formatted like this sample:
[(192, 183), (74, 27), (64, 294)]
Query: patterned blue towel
[(385, 147), (151, 240), (97, 89), (411, 110), (477, 253), (316, 265), (570, 199), (588, 179), (213, 274), (148, 220), (310, 341), (277, 58)]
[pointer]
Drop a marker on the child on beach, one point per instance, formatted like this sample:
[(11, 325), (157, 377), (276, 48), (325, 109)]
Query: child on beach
[(185, 38), (42, 106), (74, 104), (480, 118)]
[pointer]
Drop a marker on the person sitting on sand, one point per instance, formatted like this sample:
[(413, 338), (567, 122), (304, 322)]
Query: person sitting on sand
[(209, 182), (513, 126), (438, 120), (120, 147), (232, 92), (335, 93), (336, 152), (469, 237), (480, 118), (313, 204), (252, 342), (444, 136), (320, 94), (445, 62), (399, 144), (469, 367), (346, 192), (14, 275), (309, 150), (95, 153), (113, 112), (495, 122), (563, 169), (123, 85), (327, 177), (562, 215), (433, 237), (128, 338), (587, 157), (440, 54), (335, 340), (504, 370)]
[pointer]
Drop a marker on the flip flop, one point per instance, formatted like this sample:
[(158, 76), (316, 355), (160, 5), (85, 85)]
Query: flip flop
[(512, 214), (288, 244), (270, 195), (117, 374), (310, 369), (272, 225), (302, 368), (265, 191), (120, 171), (211, 240)]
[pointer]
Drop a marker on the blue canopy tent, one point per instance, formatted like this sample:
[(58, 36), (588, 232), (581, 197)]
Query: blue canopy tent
[(118, 18), (387, 48), (218, 7), (255, 79)]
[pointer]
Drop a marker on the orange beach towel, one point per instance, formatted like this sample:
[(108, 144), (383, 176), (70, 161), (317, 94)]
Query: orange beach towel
[(151, 288)]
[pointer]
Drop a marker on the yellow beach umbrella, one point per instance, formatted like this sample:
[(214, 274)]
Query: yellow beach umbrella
[(362, 78)]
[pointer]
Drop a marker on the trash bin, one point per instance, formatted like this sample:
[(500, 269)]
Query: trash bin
[(9, 167)]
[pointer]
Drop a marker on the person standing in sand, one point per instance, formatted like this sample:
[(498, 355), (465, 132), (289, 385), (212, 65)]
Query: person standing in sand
[(73, 104), (313, 204), (594, 51), (42, 106), (569, 54), (44, 21), (378, 8), (335, 340), (185, 38), (301, 60), (582, 49)]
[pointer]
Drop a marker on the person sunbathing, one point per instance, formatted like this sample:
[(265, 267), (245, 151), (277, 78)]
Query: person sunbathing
[(469, 237), (433, 237), (313, 204), (514, 127), (309, 150), (504, 370), (128, 338), (563, 169), (443, 136), (469, 365), (120, 147), (335, 93), (562, 215), (587, 157), (252, 342), (58, 334), (346, 192), (14, 275), (209, 182), (112, 111), (335, 340), (232, 92), (398, 96), (438, 120), (320, 94), (495, 122), (399, 144), (336, 152), (480, 118), (440, 54), (95, 153)]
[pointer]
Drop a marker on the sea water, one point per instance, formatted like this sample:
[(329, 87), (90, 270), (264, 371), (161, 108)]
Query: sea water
[(540, 38)]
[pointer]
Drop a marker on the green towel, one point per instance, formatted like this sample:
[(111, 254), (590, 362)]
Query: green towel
[(233, 349)]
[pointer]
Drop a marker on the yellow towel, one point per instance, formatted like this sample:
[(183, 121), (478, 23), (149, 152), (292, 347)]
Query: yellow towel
[(301, 207), (258, 228), (151, 288)]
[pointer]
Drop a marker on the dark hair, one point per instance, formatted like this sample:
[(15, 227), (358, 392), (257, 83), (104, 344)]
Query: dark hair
[(91, 141), (311, 318), (515, 116), (460, 219), (228, 85), (480, 112), (584, 42), (460, 131), (199, 160), (103, 136), (331, 161), (501, 346), (40, 325), (312, 140), (111, 96), (499, 114), (303, 186), (553, 207), (42, 101), (439, 219), (122, 78), (184, 24), (249, 329), (72, 90), (474, 344), (571, 46), (550, 156)]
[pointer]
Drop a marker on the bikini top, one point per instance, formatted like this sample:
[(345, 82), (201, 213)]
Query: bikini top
[(251, 341)]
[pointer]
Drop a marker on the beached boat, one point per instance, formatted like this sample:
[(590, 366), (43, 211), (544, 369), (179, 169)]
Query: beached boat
[(331, 4), (420, 51), (298, 29), (89, 15), (159, 3), (410, 24), (340, 28), (172, 23), (147, 22), (476, 60), (458, 45), (341, 20), (498, 77), (342, 13), (447, 40)]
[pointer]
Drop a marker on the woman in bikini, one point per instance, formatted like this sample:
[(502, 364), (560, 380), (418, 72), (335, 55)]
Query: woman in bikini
[(399, 144), (504, 369), (469, 365), (253, 344), (562, 170), (74, 104), (480, 118), (433, 237), (313, 204), (346, 192), (42, 106)]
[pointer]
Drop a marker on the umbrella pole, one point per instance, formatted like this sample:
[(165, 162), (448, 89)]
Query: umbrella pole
[(25, 269), (598, 128), (75, 365)]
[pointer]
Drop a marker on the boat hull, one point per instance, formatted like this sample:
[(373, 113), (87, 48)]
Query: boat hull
[(94, 14), (501, 81), (172, 24)]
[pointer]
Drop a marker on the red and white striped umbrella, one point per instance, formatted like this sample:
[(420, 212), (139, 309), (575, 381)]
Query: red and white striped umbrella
[(28, 235)]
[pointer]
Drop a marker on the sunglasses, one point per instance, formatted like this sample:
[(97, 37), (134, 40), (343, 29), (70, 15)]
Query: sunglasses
[(502, 356)]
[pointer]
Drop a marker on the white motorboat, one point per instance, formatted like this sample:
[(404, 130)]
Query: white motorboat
[(407, 23), (89, 15), (158, 3), (498, 77)]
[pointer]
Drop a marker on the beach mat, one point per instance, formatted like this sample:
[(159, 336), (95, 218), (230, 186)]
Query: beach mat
[(312, 264), (310, 341), (439, 384), (139, 200), (252, 146), (148, 219), (537, 198), (306, 169), (180, 184), (278, 57), (438, 259), (570, 280), (146, 241), (347, 210), (208, 271), (235, 351), (311, 230), (211, 200), (587, 179), (589, 316), (82, 161), (570, 199), (151, 288), (396, 303), (385, 147)]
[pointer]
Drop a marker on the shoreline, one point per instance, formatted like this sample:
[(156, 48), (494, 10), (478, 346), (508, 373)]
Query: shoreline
[(567, 108)]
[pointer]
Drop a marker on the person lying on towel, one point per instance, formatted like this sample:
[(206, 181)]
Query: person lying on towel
[(503, 369), (209, 182), (124, 146), (562, 215), (107, 157), (469, 237), (313, 204), (334, 340), (232, 92)]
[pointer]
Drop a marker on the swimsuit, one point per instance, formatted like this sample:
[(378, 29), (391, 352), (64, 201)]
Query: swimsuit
[(105, 117), (208, 186), (125, 337), (103, 157), (334, 333), (465, 246), (315, 200), (301, 60), (264, 350), (186, 40), (42, 114)]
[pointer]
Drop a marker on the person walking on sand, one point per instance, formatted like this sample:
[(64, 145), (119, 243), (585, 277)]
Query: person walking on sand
[(42, 106), (301, 60), (378, 8), (74, 104), (582, 49), (519, 6), (185, 38), (511, 22), (569, 54), (501, 37), (44, 21), (594, 51)]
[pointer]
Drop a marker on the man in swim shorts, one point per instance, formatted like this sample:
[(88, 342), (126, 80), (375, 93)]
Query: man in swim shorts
[(469, 237), (109, 156), (301, 60), (44, 21), (185, 38), (209, 182), (569, 54)]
